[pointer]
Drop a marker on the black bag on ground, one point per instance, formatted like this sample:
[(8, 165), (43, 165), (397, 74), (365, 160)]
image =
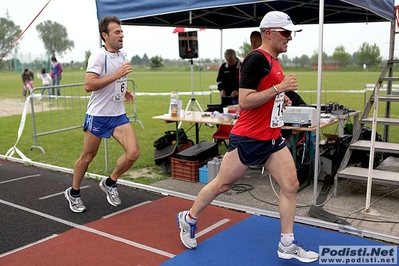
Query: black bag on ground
[(167, 139), (162, 157), (362, 157), (336, 151)]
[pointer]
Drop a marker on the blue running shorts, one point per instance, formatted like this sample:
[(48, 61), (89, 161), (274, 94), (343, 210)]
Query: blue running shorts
[(252, 151), (103, 126)]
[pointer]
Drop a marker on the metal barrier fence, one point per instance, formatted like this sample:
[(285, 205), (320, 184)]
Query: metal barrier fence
[(60, 108), (53, 113)]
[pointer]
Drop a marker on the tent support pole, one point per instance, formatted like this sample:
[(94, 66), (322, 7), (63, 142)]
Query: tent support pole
[(319, 79)]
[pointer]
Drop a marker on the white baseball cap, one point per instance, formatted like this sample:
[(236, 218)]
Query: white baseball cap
[(278, 19)]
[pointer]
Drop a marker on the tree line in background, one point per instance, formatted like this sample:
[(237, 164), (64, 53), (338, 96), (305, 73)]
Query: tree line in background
[(55, 40), (54, 37), (367, 54)]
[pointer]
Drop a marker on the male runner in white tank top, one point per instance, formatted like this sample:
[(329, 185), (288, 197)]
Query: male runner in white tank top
[(106, 79)]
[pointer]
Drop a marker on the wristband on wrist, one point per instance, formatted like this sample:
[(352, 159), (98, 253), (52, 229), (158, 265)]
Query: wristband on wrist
[(276, 90)]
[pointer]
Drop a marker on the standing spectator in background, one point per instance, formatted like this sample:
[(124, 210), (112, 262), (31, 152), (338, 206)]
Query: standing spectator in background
[(56, 71), (256, 39), (227, 80), (46, 80), (27, 81)]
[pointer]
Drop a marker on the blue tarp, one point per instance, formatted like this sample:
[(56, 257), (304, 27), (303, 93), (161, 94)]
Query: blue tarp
[(223, 14)]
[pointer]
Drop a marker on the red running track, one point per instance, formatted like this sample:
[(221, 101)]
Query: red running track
[(145, 235)]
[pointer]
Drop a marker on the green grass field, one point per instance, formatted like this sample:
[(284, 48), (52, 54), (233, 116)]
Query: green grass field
[(62, 149)]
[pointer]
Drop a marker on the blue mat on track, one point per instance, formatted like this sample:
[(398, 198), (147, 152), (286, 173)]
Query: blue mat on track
[(254, 241)]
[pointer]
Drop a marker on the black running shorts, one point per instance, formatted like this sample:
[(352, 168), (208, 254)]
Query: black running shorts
[(252, 151)]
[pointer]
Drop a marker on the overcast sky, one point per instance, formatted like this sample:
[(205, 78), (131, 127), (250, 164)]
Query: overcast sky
[(79, 17)]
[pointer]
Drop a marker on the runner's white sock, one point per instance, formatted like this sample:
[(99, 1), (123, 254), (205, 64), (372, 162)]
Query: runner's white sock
[(286, 239), (190, 218)]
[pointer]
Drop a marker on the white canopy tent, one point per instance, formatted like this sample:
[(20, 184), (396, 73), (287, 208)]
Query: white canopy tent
[(228, 14)]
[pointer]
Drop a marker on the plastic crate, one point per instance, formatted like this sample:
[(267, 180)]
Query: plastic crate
[(203, 174), (185, 170)]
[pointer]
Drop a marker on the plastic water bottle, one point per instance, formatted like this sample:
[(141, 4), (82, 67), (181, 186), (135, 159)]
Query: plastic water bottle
[(174, 103)]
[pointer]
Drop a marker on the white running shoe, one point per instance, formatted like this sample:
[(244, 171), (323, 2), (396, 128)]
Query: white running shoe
[(75, 203), (187, 230), (111, 192), (296, 251)]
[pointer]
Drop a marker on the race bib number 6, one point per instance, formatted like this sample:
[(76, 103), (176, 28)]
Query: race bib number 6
[(120, 89)]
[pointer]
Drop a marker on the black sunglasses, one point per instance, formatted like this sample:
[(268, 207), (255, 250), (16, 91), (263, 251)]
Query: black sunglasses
[(284, 33)]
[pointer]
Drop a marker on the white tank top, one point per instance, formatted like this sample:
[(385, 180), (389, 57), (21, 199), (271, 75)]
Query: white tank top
[(108, 101)]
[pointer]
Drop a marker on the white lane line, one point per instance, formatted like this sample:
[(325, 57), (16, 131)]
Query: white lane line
[(212, 227), (28, 246), (58, 193), (91, 230), (19, 178), (127, 209)]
